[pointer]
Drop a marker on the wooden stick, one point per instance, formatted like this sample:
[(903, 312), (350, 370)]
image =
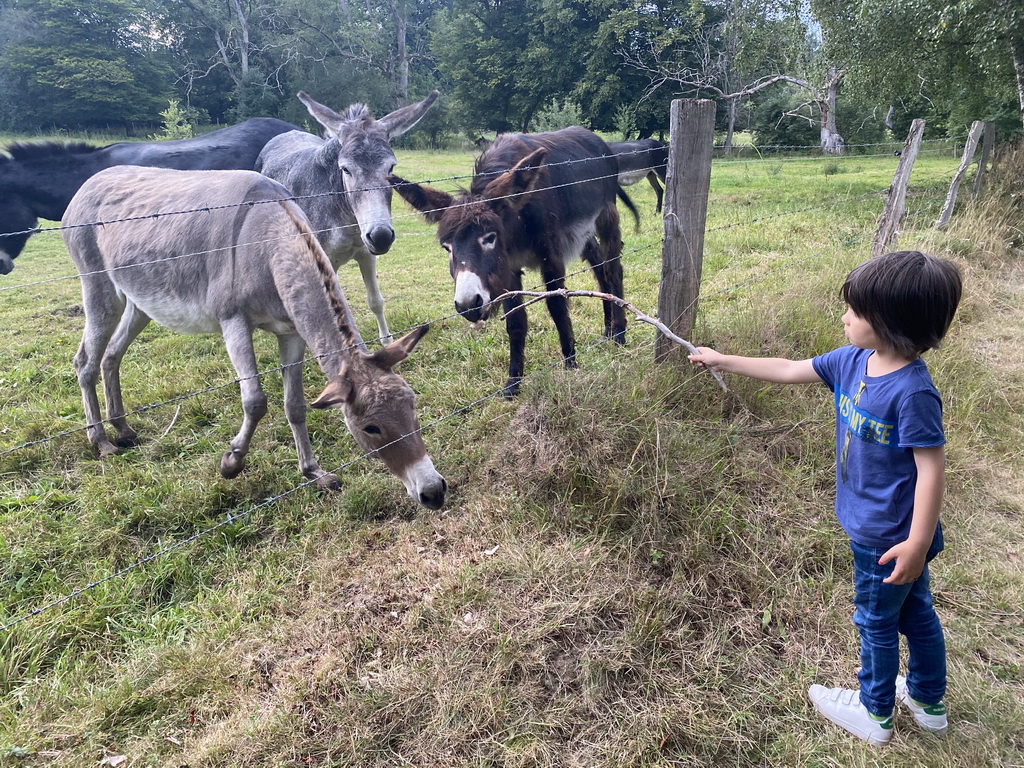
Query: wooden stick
[(536, 296)]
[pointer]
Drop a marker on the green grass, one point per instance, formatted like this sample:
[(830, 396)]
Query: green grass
[(632, 568)]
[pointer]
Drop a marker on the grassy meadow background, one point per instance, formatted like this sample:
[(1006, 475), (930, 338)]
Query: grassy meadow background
[(633, 568)]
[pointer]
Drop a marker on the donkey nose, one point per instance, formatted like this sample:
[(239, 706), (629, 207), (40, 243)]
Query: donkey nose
[(472, 309), (433, 497), (380, 238)]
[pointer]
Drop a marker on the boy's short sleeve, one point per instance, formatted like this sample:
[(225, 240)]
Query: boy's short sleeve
[(827, 367), (920, 415)]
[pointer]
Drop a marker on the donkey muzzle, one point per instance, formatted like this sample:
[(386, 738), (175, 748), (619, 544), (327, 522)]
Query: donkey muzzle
[(379, 239)]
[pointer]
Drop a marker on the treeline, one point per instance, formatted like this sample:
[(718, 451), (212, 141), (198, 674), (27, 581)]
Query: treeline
[(793, 73)]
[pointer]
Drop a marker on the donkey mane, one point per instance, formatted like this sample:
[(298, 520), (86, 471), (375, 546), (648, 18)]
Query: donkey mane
[(327, 274), (45, 150)]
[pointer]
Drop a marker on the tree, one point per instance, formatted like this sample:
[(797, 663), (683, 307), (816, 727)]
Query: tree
[(81, 64), (731, 52), (899, 50), (501, 68), (381, 44), (235, 38)]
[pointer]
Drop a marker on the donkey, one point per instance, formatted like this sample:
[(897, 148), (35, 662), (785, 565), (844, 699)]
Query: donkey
[(245, 259), (341, 183), (645, 158), (537, 201), (38, 179)]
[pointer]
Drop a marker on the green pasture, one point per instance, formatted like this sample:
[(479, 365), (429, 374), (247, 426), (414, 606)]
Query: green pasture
[(633, 568)]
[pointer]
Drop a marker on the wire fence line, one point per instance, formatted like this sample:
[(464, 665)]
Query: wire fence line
[(461, 410), (278, 369), (413, 215), (462, 177)]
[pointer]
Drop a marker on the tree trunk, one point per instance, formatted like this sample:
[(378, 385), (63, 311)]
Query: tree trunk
[(402, 54), (243, 49), (733, 105), (1017, 49), (831, 142)]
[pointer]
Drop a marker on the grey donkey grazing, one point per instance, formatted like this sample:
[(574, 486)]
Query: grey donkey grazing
[(341, 182), (233, 267)]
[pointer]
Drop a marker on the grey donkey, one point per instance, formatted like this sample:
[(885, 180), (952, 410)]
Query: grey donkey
[(341, 182), (237, 256)]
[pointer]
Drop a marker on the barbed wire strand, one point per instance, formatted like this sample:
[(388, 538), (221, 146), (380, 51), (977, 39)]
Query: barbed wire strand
[(582, 270), (273, 500)]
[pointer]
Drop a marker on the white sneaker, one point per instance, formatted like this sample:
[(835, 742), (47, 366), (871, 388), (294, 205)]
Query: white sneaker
[(931, 718), (842, 706)]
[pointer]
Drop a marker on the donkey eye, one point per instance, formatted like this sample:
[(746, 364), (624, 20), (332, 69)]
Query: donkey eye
[(345, 170), (371, 429), (488, 240), (447, 247)]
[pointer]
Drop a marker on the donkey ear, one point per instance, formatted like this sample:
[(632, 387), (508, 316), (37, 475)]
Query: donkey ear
[(521, 178), (428, 201), (335, 395), (398, 350), (404, 118), (323, 114)]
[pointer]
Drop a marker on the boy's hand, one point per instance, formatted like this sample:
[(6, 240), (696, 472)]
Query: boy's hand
[(909, 562), (708, 358)]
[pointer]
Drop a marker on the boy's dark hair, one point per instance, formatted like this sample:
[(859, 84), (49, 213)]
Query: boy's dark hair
[(908, 297)]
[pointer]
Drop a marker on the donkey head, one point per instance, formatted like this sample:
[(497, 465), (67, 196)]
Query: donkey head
[(365, 159), (18, 220), (478, 230), (379, 411)]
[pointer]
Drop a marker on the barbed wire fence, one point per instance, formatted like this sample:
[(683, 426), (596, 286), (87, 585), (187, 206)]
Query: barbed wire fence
[(462, 409)]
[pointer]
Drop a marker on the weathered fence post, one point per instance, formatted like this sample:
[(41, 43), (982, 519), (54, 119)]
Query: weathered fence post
[(958, 177), (895, 203), (688, 179), (987, 144)]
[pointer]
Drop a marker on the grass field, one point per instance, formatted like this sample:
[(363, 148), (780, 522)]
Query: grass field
[(632, 569)]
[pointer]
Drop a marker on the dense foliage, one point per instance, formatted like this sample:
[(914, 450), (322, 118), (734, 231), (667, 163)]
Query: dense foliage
[(614, 65)]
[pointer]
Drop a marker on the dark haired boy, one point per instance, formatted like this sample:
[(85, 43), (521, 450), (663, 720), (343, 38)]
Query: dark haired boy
[(890, 478)]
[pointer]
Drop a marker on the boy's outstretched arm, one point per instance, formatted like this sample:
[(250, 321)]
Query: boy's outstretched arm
[(931, 484), (775, 369)]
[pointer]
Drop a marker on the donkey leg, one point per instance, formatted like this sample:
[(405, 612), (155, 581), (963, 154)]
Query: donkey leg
[(290, 351), (652, 177), (592, 255), (238, 340), (516, 326), (558, 307), (609, 271), (368, 268), (132, 322), (103, 307)]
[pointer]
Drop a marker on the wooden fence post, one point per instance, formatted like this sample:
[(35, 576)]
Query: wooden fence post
[(987, 144), (895, 203), (958, 177), (688, 179)]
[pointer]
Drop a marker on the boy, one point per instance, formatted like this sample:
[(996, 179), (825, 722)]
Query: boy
[(890, 477)]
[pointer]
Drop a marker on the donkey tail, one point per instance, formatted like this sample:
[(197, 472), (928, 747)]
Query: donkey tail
[(629, 204)]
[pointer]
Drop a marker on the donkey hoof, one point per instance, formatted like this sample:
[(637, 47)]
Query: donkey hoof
[(106, 450), (619, 336), (511, 389), (127, 441), (571, 364), (328, 482), (231, 463)]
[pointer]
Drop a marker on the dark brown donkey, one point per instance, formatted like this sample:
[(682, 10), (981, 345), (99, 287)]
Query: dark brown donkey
[(537, 201)]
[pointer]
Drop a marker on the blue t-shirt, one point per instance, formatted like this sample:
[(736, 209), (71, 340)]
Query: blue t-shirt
[(879, 421)]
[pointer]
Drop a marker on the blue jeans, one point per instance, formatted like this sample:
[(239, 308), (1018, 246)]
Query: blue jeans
[(883, 612)]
